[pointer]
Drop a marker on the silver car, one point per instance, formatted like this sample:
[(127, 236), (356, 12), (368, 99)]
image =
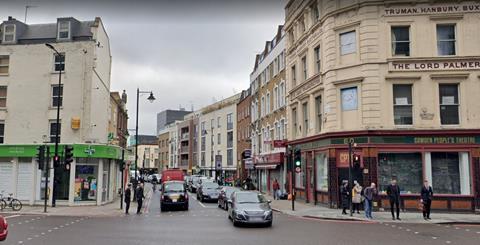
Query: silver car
[(248, 207)]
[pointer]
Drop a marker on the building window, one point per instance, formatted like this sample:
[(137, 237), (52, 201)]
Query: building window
[(304, 67), (229, 157), (262, 105), (305, 119), (348, 43), (315, 13), (229, 121), (3, 96), (212, 123), (219, 138), (402, 104), (282, 94), (230, 139), (4, 64), (401, 40), (316, 52), (406, 168), (202, 127), (267, 103), (64, 30), (449, 104), (2, 132), (349, 99), (219, 122), (203, 143), (295, 122), (318, 113), (202, 159), (57, 95), (276, 98), (53, 131), (282, 129), (212, 139), (294, 76), (446, 39), (9, 33), (450, 172), (321, 160), (302, 27), (60, 62)]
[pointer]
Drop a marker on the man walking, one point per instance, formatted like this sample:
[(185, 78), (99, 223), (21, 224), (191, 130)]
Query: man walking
[(426, 194), (276, 187), (140, 197), (369, 193), (393, 193), (128, 197)]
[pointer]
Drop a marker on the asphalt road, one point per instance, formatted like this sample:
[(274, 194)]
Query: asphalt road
[(206, 224)]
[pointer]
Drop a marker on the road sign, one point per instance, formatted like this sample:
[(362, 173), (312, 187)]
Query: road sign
[(298, 170), (249, 164)]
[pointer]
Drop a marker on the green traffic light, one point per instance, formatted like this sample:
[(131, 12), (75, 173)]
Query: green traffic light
[(297, 163)]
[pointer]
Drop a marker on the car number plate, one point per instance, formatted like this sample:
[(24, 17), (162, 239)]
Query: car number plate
[(256, 219), (174, 200)]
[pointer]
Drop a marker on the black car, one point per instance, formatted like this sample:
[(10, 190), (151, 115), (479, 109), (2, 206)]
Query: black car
[(208, 191), (225, 195), (248, 207), (174, 195)]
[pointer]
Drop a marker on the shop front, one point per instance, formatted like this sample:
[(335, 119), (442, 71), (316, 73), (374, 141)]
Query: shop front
[(269, 167), (93, 178), (448, 159)]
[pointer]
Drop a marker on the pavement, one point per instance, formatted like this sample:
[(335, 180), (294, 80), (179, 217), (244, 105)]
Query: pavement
[(320, 212), (206, 224)]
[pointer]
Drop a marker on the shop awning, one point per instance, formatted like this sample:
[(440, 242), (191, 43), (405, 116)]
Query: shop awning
[(266, 166)]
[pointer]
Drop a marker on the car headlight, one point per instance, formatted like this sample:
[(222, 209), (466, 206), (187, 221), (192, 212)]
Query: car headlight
[(268, 213)]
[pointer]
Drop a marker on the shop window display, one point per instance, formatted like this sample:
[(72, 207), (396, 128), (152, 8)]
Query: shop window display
[(86, 182), (406, 168)]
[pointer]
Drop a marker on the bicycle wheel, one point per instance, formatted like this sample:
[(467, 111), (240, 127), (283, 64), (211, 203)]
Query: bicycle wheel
[(3, 204), (16, 205)]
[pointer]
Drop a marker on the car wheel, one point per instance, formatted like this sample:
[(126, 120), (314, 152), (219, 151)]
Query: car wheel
[(235, 223), (269, 224), (162, 208)]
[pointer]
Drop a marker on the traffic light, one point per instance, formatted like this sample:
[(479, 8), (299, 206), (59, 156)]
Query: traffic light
[(40, 157), (356, 161), (56, 161), (68, 156), (297, 158)]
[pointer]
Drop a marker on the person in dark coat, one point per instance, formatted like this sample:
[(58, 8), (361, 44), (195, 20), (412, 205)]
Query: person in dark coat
[(128, 197), (426, 194), (140, 196), (393, 193), (345, 195)]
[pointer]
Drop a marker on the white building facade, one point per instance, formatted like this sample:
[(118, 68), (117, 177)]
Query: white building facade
[(29, 95), (218, 139)]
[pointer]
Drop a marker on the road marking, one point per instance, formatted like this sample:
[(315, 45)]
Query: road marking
[(19, 223), (478, 232), (43, 233), (467, 230), (49, 230), (416, 232), (29, 238), (201, 204), (448, 242), (434, 237), (12, 216), (20, 242), (408, 230), (36, 236), (457, 228)]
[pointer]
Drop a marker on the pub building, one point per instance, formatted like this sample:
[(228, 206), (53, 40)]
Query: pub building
[(449, 159), (402, 80)]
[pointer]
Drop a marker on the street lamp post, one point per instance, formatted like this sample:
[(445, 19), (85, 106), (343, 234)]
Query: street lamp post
[(57, 128), (351, 145), (150, 98)]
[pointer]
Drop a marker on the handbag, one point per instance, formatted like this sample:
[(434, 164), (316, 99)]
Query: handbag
[(420, 206)]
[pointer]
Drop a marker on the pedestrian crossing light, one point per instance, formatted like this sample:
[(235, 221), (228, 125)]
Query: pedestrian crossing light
[(40, 157), (297, 158)]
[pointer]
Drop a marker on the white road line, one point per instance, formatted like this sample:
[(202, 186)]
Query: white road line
[(416, 232), (49, 230), (29, 238), (201, 204), (467, 230), (478, 232), (43, 233), (19, 223), (36, 236), (434, 237), (408, 229), (448, 242), (12, 216), (20, 242)]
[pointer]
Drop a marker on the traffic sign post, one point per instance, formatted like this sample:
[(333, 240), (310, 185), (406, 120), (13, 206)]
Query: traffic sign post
[(218, 165)]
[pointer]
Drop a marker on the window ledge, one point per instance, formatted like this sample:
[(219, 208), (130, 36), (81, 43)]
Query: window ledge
[(447, 17), (4, 74), (3, 108)]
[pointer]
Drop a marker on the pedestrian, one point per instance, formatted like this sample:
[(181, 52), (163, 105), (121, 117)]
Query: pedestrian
[(369, 193), (276, 188), (128, 197), (356, 196), (393, 193), (345, 194), (426, 194), (140, 196)]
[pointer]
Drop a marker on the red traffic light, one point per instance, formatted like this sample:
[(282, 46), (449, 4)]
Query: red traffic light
[(56, 158)]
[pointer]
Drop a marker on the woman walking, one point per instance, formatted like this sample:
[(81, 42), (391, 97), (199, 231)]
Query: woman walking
[(356, 196)]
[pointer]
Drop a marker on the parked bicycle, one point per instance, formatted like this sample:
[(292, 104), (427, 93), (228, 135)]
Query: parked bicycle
[(10, 202)]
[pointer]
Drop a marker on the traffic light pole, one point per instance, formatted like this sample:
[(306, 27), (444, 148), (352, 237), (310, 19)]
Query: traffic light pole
[(46, 166)]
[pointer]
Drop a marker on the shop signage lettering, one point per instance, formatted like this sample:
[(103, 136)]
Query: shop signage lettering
[(439, 9), (436, 65), (444, 140)]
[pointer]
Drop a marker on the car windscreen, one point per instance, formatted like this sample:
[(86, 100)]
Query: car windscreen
[(174, 187), (250, 198), (229, 191), (210, 185)]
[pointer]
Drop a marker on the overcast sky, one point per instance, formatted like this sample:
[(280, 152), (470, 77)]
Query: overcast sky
[(187, 52)]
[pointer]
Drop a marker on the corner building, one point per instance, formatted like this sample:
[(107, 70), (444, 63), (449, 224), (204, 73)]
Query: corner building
[(400, 79)]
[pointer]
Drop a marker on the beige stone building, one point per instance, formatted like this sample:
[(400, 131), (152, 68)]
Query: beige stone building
[(268, 117), (163, 147), (400, 79)]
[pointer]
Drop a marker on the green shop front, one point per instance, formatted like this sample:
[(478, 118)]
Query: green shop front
[(93, 178), (449, 159)]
